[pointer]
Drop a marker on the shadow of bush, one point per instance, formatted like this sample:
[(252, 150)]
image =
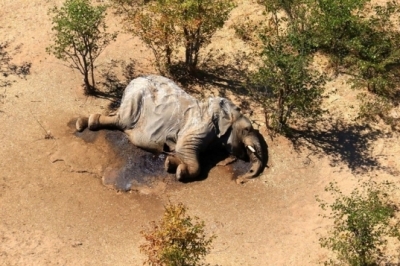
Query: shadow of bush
[(7, 68), (112, 85), (349, 144), (214, 72), (116, 75)]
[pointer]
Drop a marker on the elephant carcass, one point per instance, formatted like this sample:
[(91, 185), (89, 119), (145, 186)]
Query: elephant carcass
[(158, 116)]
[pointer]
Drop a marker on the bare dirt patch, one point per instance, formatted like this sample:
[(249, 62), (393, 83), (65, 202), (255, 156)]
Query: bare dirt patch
[(55, 209)]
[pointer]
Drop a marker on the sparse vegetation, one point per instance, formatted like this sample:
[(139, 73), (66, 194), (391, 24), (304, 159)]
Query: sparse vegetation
[(285, 84), (360, 39), (363, 223), (80, 37), (177, 239), (167, 25)]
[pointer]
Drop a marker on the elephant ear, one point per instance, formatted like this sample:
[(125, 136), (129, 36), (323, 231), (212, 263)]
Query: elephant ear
[(225, 117)]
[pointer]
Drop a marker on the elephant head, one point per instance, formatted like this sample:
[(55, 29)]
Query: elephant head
[(246, 142), (241, 139)]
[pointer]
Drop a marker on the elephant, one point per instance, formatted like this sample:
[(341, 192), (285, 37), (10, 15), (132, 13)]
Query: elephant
[(160, 117)]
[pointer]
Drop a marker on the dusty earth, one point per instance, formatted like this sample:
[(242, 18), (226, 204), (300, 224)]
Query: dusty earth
[(55, 209)]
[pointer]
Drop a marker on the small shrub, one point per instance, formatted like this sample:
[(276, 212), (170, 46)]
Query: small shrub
[(80, 36), (362, 39), (334, 25), (373, 108), (176, 240), (245, 30), (167, 25), (363, 222), (285, 84)]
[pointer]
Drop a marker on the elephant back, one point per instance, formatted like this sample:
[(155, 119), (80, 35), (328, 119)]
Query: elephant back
[(157, 109)]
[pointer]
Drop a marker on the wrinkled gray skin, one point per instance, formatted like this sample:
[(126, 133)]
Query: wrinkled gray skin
[(159, 117)]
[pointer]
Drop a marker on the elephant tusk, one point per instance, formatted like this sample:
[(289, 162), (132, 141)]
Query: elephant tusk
[(251, 149)]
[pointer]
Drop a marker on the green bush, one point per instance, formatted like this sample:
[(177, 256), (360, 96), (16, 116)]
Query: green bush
[(362, 40), (176, 240), (363, 222), (80, 37), (359, 37), (285, 84), (373, 108), (167, 25)]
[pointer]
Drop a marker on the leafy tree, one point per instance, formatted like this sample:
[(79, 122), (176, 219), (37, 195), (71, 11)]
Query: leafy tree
[(176, 240), (80, 37), (363, 222), (200, 20), (167, 25), (334, 24), (291, 7), (362, 40), (285, 84)]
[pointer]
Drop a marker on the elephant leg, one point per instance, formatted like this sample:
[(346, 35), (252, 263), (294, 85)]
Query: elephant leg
[(184, 170), (188, 148), (82, 123), (97, 121), (171, 163), (187, 162), (188, 170)]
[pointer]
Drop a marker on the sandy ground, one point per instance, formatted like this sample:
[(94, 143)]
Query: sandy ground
[(54, 209)]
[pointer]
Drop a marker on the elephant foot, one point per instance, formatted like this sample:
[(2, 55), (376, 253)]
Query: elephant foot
[(170, 164), (94, 121), (186, 172), (181, 172), (82, 123), (91, 122)]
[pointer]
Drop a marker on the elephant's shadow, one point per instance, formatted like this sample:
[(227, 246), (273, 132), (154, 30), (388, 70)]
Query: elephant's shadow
[(217, 153), (139, 167)]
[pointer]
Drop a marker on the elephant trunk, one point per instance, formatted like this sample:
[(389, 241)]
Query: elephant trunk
[(257, 151)]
